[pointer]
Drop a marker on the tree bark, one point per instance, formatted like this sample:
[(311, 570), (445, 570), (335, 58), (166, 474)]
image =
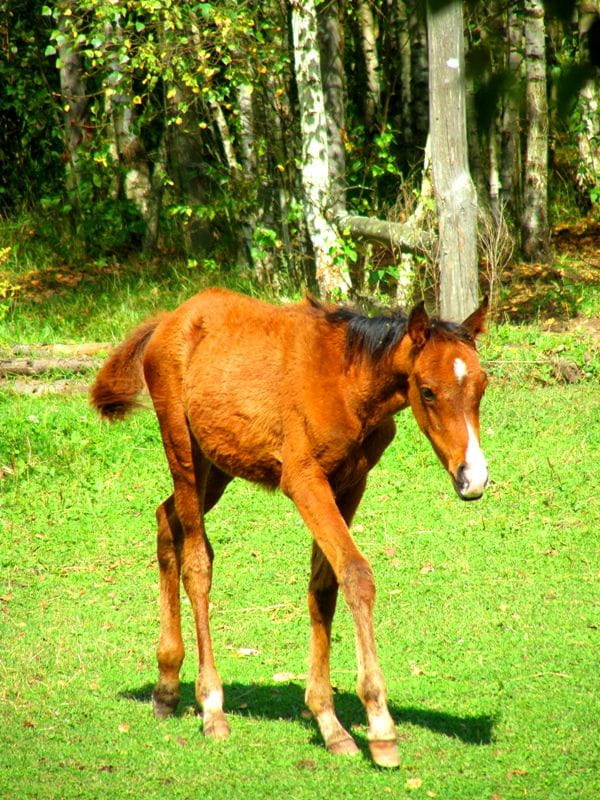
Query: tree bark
[(589, 98), (419, 73), (368, 37), (73, 92), (333, 77), (405, 68), (454, 190), (510, 159), (396, 235), (332, 278), (534, 223), (137, 184)]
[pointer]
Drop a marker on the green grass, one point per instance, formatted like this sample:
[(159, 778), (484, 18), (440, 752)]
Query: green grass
[(488, 616), (488, 613)]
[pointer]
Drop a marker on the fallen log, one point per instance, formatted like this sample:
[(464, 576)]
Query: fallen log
[(38, 366), (79, 349), (38, 387)]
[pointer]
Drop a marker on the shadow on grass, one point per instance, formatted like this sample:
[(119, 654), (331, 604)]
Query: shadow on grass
[(286, 702)]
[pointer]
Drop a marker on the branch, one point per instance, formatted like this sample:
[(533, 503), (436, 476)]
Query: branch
[(402, 236)]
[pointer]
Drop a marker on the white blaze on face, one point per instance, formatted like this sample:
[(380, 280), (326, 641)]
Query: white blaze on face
[(476, 470), (460, 369)]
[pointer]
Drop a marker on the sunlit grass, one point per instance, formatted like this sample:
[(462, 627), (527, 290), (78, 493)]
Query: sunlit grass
[(487, 616)]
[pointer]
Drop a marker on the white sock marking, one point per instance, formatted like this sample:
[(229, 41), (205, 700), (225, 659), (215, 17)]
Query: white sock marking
[(213, 701)]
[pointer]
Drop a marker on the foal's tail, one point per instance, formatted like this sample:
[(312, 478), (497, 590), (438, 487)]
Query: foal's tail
[(121, 377)]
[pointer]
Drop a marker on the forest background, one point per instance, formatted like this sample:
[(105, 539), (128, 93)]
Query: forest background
[(173, 130)]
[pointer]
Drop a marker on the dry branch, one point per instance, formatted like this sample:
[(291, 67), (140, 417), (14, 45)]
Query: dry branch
[(401, 236)]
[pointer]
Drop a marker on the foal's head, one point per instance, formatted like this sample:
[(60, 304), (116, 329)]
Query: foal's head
[(444, 390)]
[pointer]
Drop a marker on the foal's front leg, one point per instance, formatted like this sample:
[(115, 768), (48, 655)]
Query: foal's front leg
[(314, 498), (196, 574), (322, 597)]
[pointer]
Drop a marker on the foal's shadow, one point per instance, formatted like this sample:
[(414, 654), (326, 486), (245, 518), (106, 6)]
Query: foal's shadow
[(286, 702)]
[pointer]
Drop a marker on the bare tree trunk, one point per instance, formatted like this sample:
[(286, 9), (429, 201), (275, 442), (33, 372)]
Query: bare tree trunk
[(510, 166), (185, 158), (419, 72), (405, 48), (589, 137), (73, 92), (333, 77), (534, 222), (369, 47), (454, 190), (494, 173), (138, 185), (332, 278)]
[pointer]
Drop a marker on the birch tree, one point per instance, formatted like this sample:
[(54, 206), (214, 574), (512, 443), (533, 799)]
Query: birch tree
[(588, 139), (510, 164), (368, 37), (137, 184), (534, 224), (455, 194), (332, 279)]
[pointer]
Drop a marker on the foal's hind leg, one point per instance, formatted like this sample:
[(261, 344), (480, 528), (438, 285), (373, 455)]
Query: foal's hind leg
[(191, 481), (170, 645)]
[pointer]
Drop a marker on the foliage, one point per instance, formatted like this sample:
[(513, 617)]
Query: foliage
[(225, 179), (31, 147)]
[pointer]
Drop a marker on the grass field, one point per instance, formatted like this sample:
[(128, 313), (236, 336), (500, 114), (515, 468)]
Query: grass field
[(488, 616)]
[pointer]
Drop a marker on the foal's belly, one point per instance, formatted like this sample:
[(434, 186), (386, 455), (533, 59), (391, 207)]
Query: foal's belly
[(241, 443)]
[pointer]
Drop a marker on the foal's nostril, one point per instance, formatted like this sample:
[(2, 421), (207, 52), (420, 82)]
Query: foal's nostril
[(460, 475)]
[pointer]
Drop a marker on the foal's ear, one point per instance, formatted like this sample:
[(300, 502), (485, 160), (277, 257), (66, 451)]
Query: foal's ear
[(418, 327), (475, 323)]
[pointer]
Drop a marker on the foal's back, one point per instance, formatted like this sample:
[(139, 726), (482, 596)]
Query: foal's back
[(234, 364)]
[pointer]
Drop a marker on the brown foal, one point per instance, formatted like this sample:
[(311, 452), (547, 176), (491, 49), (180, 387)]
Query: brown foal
[(300, 397)]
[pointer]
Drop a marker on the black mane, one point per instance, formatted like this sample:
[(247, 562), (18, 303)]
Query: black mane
[(372, 337), (375, 337)]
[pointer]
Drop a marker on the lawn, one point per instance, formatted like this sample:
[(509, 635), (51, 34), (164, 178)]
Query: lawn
[(488, 616)]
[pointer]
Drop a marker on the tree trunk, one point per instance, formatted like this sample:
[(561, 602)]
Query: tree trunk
[(137, 184), (332, 279), (510, 166), (73, 92), (589, 136), (419, 73), (332, 73), (185, 158), (454, 190), (371, 59), (404, 63), (534, 223), (407, 236)]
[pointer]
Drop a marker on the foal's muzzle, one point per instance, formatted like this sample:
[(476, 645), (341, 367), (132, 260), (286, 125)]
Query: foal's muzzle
[(470, 483)]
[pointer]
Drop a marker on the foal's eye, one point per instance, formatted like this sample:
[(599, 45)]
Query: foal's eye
[(427, 395)]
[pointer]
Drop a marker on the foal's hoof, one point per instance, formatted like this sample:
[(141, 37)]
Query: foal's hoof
[(385, 753), (215, 727), (343, 747), (164, 703)]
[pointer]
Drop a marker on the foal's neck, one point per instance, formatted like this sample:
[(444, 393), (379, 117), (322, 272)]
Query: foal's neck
[(379, 388)]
